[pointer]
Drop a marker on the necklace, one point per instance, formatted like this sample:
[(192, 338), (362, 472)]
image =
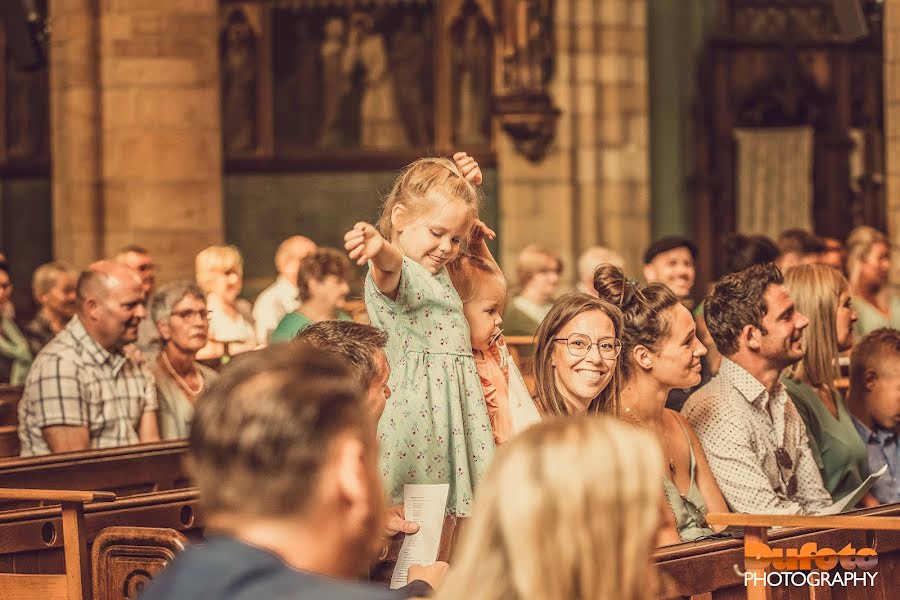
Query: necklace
[(179, 380), (629, 414)]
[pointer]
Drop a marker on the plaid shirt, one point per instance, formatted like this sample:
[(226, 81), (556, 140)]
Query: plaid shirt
[(76, 382)]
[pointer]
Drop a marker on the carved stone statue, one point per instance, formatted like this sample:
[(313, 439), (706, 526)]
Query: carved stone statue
[(409, 57), (473, 90), (238, 62), (333, 86), (380, 125)]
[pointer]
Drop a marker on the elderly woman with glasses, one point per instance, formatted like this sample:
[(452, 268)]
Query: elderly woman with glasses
[(179, 311), (575, 356)]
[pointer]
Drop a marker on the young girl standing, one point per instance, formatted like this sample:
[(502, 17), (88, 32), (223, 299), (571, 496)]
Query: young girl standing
[(435, 429)]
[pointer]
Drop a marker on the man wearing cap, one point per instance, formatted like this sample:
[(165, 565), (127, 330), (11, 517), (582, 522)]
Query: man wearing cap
[(670, 260)]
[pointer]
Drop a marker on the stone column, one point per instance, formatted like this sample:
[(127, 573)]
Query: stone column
[(593, 186), (155, 147), (75, 131), (892, 121)]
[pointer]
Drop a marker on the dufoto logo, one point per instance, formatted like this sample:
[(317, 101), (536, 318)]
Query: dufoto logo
[(792, 565)]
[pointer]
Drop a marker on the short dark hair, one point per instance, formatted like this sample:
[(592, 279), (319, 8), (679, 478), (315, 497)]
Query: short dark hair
[(261, 433), (320, 264), (881, 344), (670, 242), (800, 241), (743, 251), (355, 342), (738, 300)]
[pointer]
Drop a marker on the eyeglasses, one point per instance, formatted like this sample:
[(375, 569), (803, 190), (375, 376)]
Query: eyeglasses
[(578, 344), (191, 314), (784, 462)]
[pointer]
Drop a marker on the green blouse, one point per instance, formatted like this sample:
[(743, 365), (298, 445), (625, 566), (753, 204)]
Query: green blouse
[(293, 323), (870, 318), (838, 450)]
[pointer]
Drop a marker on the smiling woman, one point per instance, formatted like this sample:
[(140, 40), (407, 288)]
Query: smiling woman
[(575, 356)]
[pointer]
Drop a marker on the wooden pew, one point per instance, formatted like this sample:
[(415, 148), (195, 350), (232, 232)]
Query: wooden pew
[(31, 540), (124, 559), (75, 582), (125, 471)]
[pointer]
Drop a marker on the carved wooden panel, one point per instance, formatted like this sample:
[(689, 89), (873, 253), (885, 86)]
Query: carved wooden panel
[(125, 559)]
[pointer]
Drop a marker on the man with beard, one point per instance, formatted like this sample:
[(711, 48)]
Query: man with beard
[(82, 391), (53, 286), (753, 436), (670, 260), (283, 452)]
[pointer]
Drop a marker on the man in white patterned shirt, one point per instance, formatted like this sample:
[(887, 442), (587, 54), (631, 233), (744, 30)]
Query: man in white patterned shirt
[(82, 391), (755, 440)]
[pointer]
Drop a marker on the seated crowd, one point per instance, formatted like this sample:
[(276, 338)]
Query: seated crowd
[(301, 450)]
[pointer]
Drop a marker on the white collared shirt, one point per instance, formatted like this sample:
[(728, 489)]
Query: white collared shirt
[(272, 304), (741, 427)]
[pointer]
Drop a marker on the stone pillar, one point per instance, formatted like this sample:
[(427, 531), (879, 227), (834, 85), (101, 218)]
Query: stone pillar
[(155, 144), (593, 186), (892, 121), (75, 131)]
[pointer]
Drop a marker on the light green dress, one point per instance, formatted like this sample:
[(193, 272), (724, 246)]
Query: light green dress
[(838, 450), (435, 427), (690, 509), (870, 318)]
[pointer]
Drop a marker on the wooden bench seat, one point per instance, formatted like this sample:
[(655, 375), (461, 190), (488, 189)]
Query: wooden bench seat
[(125, 471)]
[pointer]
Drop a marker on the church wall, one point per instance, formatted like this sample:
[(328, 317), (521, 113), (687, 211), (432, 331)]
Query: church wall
[(892, 122)]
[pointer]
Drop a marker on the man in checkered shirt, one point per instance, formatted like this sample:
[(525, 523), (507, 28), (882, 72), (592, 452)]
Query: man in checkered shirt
[(83, 391)]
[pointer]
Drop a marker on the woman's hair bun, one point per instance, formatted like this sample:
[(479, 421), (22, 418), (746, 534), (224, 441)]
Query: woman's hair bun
[(612, 285)]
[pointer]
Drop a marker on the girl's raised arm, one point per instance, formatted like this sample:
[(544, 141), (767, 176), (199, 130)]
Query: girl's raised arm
[(364, 243)]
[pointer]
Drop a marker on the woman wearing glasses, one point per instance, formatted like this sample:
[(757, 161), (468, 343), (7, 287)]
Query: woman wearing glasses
[(179, 311), (576, 348), (661, 352)]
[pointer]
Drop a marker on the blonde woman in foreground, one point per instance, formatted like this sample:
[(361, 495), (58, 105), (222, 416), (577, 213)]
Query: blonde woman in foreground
[(548, 525)]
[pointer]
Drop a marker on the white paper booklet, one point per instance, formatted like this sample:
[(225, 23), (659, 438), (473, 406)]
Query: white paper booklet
[(425, 504), (850, 501)]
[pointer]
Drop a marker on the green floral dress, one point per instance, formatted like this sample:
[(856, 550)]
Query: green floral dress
[(435, 427)]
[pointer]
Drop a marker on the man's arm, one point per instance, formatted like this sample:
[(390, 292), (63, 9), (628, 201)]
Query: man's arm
[(811, 492), (148, 428), (66, 438)]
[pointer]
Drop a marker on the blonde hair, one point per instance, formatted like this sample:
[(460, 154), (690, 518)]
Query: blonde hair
[(216, 259), (549, 525), (471, 274), (532, 260), (815, 290), (859, 244), (566, 308), (424, 184), (47, 276)]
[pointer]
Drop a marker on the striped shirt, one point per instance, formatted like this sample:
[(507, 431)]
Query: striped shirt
[(76, 382)]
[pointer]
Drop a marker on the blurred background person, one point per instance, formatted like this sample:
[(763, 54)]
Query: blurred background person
[(538, 270), (220, 274), (588, 262), (179, 311), (322, 284), (281, 297), (670, 260), (799, 247), (868, 268), (53, 286), (15, 357)]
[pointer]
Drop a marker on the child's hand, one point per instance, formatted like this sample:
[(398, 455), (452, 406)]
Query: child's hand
[(480, 232), (468, 167), (363, 242)]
